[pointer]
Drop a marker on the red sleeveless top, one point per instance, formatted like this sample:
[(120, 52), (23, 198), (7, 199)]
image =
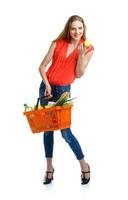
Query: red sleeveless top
[(62, 69)]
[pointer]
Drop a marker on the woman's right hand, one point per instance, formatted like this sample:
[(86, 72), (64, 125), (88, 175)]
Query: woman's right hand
[(48, 91)]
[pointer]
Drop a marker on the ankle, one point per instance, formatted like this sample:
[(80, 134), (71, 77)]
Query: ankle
[(85, 167), (50, 169)]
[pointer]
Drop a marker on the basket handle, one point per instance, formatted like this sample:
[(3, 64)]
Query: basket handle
[(42, 97)]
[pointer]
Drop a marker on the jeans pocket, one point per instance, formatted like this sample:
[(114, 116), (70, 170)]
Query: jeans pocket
[(61, 89)]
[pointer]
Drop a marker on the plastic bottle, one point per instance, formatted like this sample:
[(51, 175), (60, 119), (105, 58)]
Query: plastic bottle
[(27, 108)]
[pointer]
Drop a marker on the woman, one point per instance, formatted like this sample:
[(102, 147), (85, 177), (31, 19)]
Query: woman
[(69, 58)]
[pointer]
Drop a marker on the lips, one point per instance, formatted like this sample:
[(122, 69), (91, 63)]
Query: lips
[(77, 36)]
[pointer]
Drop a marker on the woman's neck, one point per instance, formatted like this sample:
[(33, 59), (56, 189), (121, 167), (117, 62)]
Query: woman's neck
[(75, 42)]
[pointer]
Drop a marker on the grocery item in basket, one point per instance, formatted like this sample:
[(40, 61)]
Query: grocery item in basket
[(48, 106), (39, 107), (27, 108), (63, 98)]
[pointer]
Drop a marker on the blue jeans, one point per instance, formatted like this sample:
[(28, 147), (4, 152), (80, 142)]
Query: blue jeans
[(66, 133)]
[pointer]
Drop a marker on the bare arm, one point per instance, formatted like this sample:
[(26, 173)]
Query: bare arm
[(83, 60), (43, 65)]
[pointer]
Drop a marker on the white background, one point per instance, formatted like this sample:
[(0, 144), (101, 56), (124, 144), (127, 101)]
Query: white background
[(100, 112)]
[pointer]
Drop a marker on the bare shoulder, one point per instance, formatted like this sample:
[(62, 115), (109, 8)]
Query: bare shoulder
[(51, 49), (52, 46)]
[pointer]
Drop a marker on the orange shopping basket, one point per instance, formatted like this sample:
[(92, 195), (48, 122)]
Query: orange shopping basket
[(49, 119)]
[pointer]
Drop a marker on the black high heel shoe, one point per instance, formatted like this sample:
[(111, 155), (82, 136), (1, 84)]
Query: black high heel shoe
[(85, 180), (48, 180)]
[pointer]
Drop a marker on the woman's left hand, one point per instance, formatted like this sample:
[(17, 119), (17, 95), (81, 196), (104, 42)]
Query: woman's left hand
[(82, 50)]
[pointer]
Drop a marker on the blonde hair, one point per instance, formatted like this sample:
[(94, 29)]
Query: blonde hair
[(65, 34)]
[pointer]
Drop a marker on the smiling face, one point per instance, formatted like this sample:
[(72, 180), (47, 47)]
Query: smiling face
[(76, 30)]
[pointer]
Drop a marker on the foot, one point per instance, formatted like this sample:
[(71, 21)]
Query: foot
[(48, 177), (85, 176)]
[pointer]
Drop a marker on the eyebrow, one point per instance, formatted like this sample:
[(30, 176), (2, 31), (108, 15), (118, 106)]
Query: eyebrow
[(78, 27)]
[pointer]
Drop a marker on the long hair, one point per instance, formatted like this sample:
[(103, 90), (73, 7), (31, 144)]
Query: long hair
[(65, 34)]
